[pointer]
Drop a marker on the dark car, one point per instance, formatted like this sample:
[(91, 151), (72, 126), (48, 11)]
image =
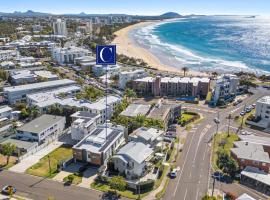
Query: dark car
[(8, 190), (110, 196)]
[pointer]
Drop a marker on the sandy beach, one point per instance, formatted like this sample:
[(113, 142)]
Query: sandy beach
[(126, 47)]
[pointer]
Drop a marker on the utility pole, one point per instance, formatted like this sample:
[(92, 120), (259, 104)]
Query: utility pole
[(229, 125)]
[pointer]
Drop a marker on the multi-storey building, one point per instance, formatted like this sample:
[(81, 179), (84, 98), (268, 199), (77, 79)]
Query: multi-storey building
[(99, 145), (127, 76), (18, 93), (60, 27), (42, 129), (168, 86), (225, 88), (69, 55)]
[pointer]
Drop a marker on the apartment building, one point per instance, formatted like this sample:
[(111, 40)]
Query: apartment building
[(126, 76), (83, 123), (99, 145), (42, 129), (263, 112), (176, 86), (69, 55), (60, 27), (18, 93), (225, 88)]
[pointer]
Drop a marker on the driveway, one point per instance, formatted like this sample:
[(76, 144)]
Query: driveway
[(89, 176), (34, 158), (71, 169)]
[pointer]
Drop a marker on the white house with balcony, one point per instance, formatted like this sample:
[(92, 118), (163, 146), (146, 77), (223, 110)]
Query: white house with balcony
[(262, 114), (132, 159)]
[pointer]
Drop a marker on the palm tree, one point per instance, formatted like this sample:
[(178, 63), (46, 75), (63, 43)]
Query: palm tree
[(7, 150), (185, 69), (129, 94)]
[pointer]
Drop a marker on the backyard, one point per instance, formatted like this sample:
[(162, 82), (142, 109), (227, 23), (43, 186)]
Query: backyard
[(54, 158), (3, 161)]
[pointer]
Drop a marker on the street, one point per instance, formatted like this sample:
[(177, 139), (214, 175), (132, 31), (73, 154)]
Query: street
[(41, 189), (194, 178)]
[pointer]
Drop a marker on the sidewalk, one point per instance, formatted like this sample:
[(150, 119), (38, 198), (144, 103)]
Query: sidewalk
[(3, 197), (33, 159)]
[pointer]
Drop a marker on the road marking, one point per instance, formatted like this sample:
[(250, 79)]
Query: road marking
[(178, 181), (197, 194), (185, 195), (204, 153)]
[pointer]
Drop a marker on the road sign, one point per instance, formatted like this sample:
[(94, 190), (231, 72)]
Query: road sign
[(106, 55)]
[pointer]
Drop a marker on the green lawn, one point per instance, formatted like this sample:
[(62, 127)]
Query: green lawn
[(42, 167), (228, 141), (3, 161), (77, 179), (127, 193), (186, 117)]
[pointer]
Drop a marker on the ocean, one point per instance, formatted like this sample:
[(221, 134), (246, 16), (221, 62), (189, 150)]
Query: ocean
[(210, 43)]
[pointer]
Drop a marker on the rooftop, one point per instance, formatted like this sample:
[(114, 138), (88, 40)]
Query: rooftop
[(5, 109), (160, 111), (250, 151), (22, 74), (147, 133), (20, 144), (265, 141), (136, 109), (264, 100), (136, 151), (245, 197), (40, 124), (45, 74), (84, 114), (98, 141), (256, 174), (38, 85)]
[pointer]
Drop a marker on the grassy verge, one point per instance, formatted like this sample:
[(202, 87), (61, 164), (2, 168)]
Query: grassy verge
[(42, 168), (160, 194), (239, 120), (3, 162), (228, 144), (126, 193), (77, 179)]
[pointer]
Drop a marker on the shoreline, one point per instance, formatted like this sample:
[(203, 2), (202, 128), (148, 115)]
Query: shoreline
[(126, 46)]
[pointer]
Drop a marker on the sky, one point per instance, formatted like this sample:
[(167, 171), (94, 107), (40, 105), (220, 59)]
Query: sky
[(140, 7)]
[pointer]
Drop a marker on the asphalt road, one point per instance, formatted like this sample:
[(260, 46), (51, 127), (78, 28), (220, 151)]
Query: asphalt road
[(194, 178), (40, 189)]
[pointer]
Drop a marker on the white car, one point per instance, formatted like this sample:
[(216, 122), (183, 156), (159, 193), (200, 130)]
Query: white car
[(173, 173)]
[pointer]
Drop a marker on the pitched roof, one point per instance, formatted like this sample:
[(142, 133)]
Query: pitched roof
[(136, 151)]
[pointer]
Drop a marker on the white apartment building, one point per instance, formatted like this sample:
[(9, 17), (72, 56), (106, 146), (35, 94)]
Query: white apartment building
[(83, 123), (46, 75), (60, 27), (18, 93), (23, 77), (100, 107), (5, 112), (127, 76), (42, 129), (225, 88), (69, 55), (100, 70), (44, 100), (8, 54), (99, 145), (263, 111)]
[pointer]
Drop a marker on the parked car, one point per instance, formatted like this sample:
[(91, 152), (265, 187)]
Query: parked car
[(171, 134), (173, 173), (242, 113), (8, 190), (110, 196)]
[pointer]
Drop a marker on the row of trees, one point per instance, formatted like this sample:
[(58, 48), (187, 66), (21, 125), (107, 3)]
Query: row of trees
[(226, 163)]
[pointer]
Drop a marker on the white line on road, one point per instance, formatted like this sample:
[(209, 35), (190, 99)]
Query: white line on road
[(185, 195), (178, 181)]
